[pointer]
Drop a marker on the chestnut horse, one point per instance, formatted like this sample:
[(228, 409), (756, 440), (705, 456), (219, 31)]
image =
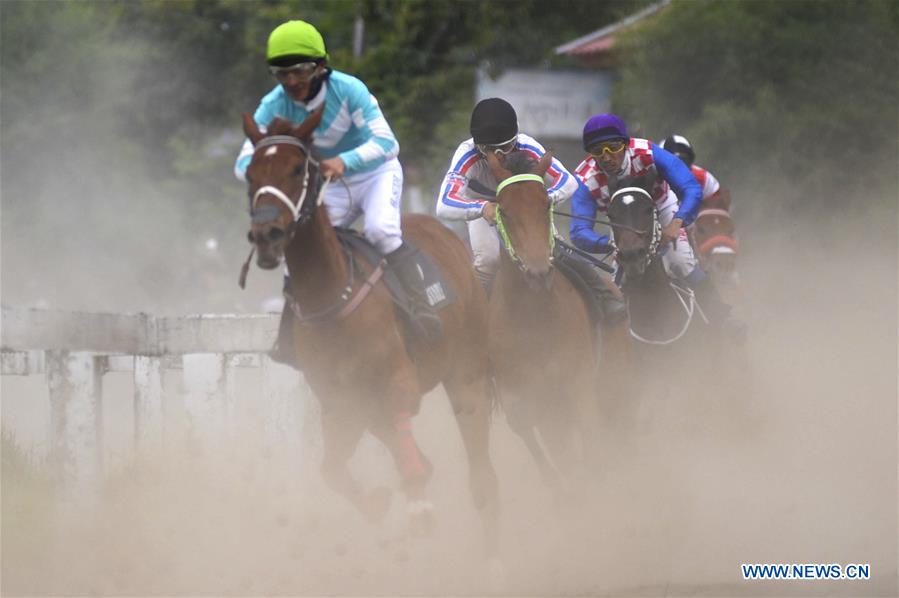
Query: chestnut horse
[(348, 338), (542, 343)]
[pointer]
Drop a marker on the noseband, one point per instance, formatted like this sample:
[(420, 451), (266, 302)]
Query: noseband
[(265, 216)]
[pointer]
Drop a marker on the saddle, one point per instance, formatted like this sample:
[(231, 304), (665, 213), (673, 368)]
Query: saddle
[(439, 293), (579, 269)]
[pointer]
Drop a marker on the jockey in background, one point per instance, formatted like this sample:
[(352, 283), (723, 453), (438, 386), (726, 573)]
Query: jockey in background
[(614, 155), (468, 192), (715, 243), (353, 141), (680, 147)]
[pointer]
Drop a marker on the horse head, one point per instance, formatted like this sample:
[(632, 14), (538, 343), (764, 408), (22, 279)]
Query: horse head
[(523, 214), (714, 236), (284, 183), (635, 226)]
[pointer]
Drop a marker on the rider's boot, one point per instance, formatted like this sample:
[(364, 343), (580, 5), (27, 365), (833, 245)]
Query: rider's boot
[(486, 279), (608, 307), (718, 312), (426, 321)]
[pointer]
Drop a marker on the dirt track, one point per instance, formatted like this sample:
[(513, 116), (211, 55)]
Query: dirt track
[(798, 468)]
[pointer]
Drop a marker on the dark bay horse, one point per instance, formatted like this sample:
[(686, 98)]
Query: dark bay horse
[(663, 312), (347, 335), (542, 343)]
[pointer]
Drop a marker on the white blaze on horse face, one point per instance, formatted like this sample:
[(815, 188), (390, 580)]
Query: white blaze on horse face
[(627, 200), (271, 151)]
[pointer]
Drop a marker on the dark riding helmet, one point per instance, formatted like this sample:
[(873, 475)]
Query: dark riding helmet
[(493, 122), (603, 127), (680, 147)]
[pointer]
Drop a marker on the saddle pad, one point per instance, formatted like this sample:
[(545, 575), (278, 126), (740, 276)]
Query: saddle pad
[(439, 293)]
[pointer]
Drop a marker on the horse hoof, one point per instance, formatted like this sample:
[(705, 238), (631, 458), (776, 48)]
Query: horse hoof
[(376, 504)]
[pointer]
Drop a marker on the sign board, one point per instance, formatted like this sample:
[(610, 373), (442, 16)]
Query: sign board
[(550, 103)]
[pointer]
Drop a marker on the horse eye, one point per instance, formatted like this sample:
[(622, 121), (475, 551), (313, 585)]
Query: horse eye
[(298, 171), (250, 237)]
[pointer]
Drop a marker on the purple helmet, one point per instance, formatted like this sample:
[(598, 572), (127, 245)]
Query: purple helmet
[(603, 127)]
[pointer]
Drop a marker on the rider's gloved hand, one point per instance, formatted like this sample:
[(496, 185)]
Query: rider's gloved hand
[(671, 232), (333, 167), (488, 212)]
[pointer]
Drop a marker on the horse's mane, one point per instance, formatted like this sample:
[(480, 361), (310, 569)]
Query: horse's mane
[(519, 162)]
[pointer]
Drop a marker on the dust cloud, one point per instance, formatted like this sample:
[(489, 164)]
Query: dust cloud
[(796, 464)]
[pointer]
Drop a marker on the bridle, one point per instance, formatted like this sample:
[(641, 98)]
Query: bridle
[(313, 185), (655, 230), (501, 227), (299, 209)]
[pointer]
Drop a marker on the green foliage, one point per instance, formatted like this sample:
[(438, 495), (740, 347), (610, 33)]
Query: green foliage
[(803, 88)]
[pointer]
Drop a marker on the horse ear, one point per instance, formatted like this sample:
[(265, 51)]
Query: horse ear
[(543, 165), (305, 128), (496, 168), (251, 129)]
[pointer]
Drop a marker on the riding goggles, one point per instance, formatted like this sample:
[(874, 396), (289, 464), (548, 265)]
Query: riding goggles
[(612, 147), (303, 70), (504, 148)]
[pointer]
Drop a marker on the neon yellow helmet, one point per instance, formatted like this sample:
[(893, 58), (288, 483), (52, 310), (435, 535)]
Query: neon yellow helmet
[(295, 38)]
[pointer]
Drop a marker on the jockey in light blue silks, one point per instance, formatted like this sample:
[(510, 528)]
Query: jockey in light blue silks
[(353, 141)]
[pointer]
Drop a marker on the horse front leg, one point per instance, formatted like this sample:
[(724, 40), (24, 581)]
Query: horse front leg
[(342, 427), (520, 410), (393, 427), (471, 405)]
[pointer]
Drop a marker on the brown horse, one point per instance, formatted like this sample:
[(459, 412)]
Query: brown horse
[(713, 236), (542, 343), (348, 338)]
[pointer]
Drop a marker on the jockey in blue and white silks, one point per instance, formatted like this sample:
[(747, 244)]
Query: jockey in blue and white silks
[(353, 141), (466, 192)]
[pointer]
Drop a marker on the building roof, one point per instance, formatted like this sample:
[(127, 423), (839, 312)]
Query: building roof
[(602, 40)]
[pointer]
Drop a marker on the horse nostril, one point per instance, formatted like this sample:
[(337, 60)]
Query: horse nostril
[(274, 235)]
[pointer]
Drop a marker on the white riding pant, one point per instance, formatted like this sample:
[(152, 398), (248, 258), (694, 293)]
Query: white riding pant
[(376, 196), (485, 246), (679, 261)]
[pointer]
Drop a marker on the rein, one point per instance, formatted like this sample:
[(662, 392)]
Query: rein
[(608, 223), (690, 309)]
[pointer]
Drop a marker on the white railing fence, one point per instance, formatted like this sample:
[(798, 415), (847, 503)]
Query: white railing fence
[(74, 350)]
